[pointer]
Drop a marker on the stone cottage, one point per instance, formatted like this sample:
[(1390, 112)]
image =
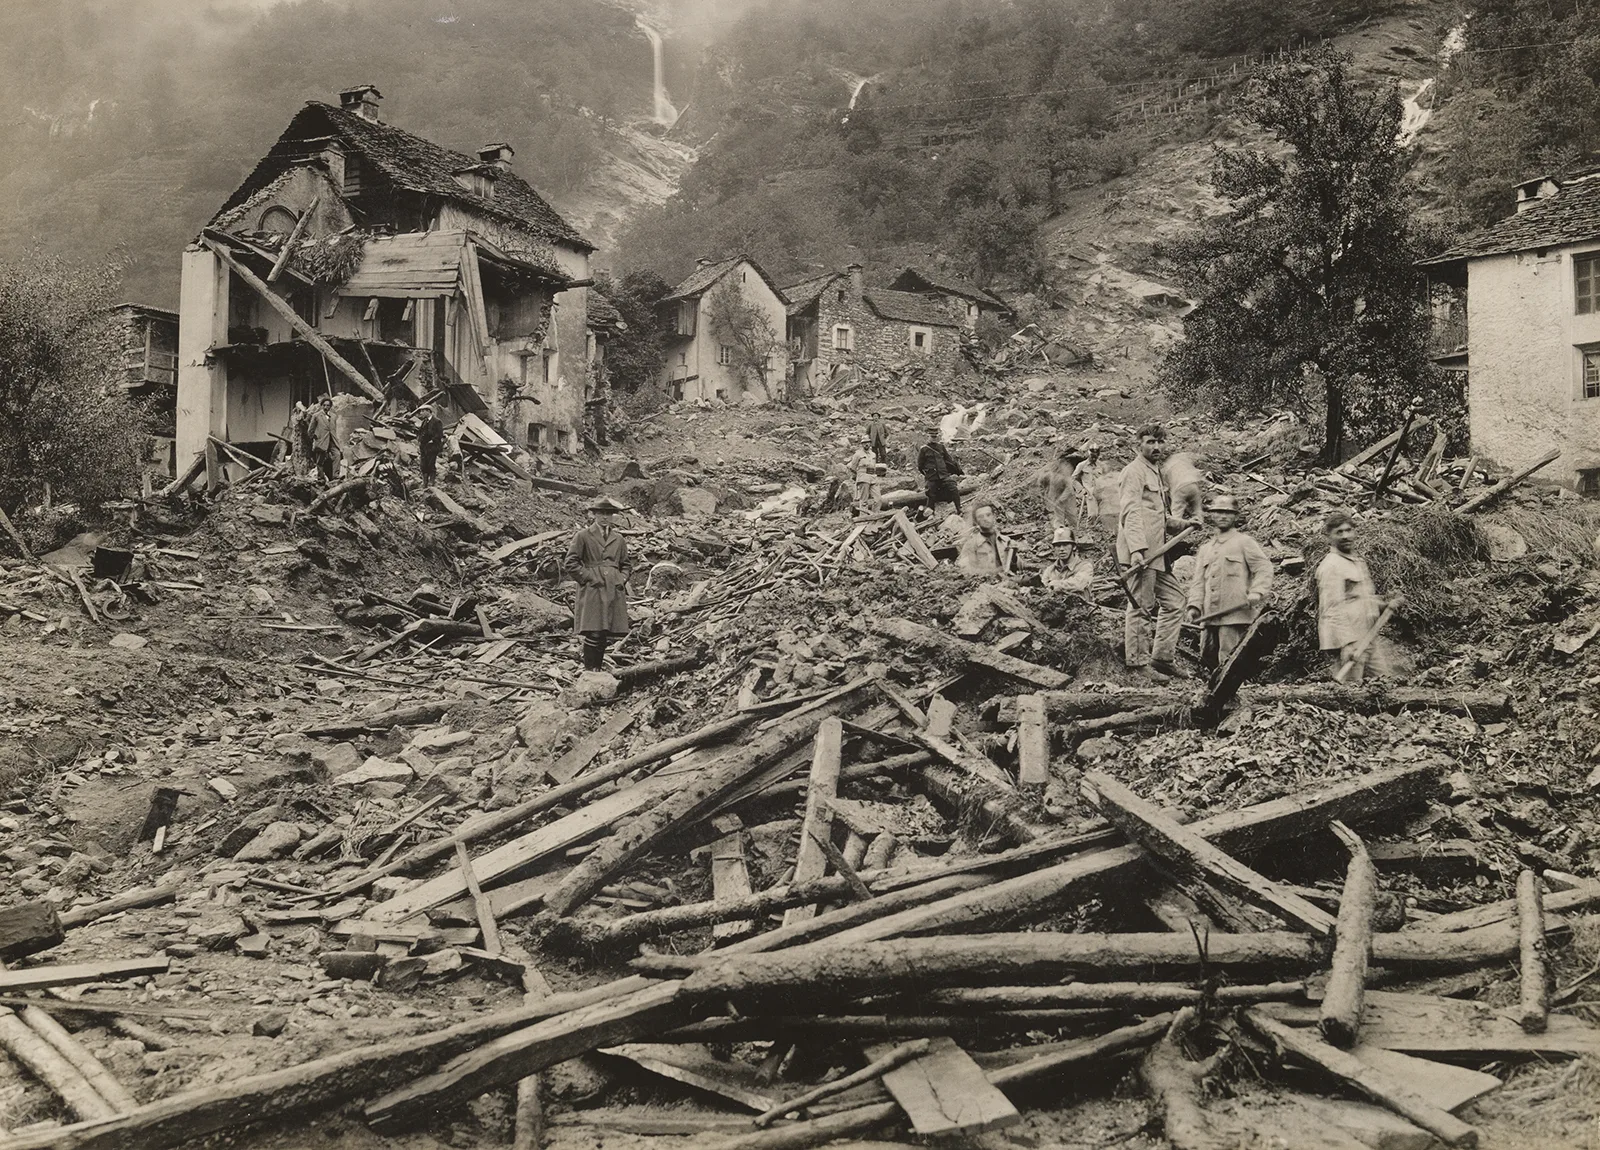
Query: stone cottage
[(360, 258), (836, 324), (960, 296), (734, 366), (1517, 311)]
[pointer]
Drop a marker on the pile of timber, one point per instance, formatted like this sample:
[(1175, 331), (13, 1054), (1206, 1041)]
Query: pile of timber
[(916, 979)]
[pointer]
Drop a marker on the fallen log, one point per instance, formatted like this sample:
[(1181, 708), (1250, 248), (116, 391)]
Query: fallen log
[(911, 496), (1582, 896), (128, 900), (1508, 482), (1238, 832), (972, 798), (696, 801), (637, 673), (1486, 705), (810, 861), (868, 1073), (49, 1066), (100, 1080), (1352, 950), (829, 970), (344, 487), (1349, 466), (531, 1049), (1174, 1084), (1107, 995), (974, 653), (1196, 859), (823, 1028), (1533, 1007), (1368, 1080), (194, 471)]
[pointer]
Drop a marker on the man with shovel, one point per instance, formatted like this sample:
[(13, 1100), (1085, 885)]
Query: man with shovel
[(1232, 576), (1150, 644)]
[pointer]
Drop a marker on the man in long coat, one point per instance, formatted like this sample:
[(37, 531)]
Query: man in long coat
[(939, 470), (324, 440), (1144, 517), (598, 560), (430, 442)]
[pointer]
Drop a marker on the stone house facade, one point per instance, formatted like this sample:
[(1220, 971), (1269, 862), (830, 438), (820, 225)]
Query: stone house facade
[(836, 324), (962, 297)]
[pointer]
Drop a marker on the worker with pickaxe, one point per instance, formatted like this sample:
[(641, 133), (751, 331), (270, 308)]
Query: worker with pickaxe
[(1150, 647), (1232, 576)]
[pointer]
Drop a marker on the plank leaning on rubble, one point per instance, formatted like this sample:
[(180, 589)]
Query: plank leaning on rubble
[(1507, 483), (810, 861), (975, 653)]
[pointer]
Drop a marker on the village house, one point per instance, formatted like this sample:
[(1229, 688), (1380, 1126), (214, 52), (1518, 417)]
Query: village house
[(148, 337), (961, 297), (1517, 312), (359, 258), (706, 362), (836, 324)]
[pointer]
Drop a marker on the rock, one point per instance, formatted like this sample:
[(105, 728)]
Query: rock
[(1504, 543), (544, 724), (124, 641), (223, 787), (402, 973), (339, 759), (697, 501), (181, 950), (362, 964), (389, 886), (578, 1079), (1100, 747), (591, 689), (218, 931), (617, 472), (539, 613), (1036, 384), (254, 945), (1108, 393), (274, 841), (443, 961), (375, 770), (383, 790), (441, 740), (271, 513), (331, 688), (269, 1025)]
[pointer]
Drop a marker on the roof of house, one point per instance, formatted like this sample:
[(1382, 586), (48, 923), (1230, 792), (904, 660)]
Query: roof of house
[(909, 307), (147, 310), (413, 163), (807, 292), (603, 314), (916, 279), (1570, 216), (708, 273)]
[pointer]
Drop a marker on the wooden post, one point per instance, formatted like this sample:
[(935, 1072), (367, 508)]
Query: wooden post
[(1347, 982), (480, 902), (1533, 1011), (293, 238), (812, 861), (1033, 742)]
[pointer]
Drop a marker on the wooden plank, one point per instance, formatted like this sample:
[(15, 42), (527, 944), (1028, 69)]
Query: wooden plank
[(730, 880), (694, 1065), (1374, 1083), (1445, 1086), (914, 538), (71, 974), (537, 1047), (812, 862), (1508, 482), (480, 903), (1582, 896), (945, 1092), (1033, 743), (975, 653), (586, 748), (1533, 1009), (288, 245), (505, 551), (1454, 1029), (1188, 852)]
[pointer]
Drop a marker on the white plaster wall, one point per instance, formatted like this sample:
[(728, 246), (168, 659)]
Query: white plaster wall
[(202, 325), (703, 352), (1525, 384), (258, 409)]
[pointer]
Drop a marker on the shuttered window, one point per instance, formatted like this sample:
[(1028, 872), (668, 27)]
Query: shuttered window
[(1586, 276)]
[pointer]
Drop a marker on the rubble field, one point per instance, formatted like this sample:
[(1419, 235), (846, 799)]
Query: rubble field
[(315, 832)]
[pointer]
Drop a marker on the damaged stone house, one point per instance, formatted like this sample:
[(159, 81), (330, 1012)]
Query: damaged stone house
[(962, 297), (703, 363), (148, 337), (358, 258), (1516, 312), (836, 323)]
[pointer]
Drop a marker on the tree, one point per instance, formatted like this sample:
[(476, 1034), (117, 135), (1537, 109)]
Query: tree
[(63, 418), (1311, 275), (746, 331), (634, 355)]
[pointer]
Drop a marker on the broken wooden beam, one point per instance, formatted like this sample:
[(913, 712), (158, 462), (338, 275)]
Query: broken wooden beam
[(817, 823), (913, 539), (1581, 897), (1107, 995), (1369, 1081), (881, 1063), (1193, 857), (945, 1093), (633, 675), (72, 974), (730, 879), (1033, 742), (1508, 482), (1533, 1005), (100, 1080), (976, 654), (1174, 1082), (1352, 949), (50, 1067)]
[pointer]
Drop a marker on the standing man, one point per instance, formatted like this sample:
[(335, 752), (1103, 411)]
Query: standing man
[(1086, 475), (985, 551), (939, 469), (1058, 486), (1143, 520), (878, 438), (1348, 605), (598, 560), (1232, 576), (430, 440), (324, 443)]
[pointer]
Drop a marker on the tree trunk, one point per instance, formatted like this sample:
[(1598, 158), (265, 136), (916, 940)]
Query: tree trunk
[(1333, 428)]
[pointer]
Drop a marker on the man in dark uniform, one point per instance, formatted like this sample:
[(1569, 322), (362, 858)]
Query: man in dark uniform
[(939, 470), (430, 440), (598, 560), (878, 438)]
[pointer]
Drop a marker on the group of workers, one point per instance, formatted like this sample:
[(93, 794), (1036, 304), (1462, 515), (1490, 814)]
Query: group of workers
[(314, 440)]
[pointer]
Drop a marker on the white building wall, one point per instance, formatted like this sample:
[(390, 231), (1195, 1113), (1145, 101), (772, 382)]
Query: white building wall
[(202, 403), (704, 351), (1525, 346)]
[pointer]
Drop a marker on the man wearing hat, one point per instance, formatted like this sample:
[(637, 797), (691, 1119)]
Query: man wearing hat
[(1058, 487), (430, 441), (598, 560), (1069, 569), (1232, 576), (939, 470)]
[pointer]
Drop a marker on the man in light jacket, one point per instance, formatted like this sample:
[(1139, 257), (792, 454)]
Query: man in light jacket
[(1150, 647), (1232, 576)]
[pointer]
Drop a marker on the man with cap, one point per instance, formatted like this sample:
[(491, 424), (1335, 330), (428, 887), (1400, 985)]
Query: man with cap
[(1069, 569), (1232, 576), (878, 438), (430, 441), (1058, 487), (598, 560), (1154, 614), (939, 470)]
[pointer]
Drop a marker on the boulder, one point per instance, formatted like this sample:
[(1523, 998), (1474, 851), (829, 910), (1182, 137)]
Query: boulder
[(339, 759), (591, 689), (697, 501), (1505, 543), (375, 770)]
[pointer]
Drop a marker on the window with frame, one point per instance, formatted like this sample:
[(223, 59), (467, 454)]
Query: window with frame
[(1591, 374), (921, 340), (1586, 283), (725, 355), (843, 338), (1589, 483)]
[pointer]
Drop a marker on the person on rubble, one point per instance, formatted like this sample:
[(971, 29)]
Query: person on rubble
[(598, 561), (430, 442), (867, 474), (1069, 569), (324, 439), (1150, 645), (985, 550), (878, 438), (1232, 576), (1348, 606), (939, 470), (1058, 487), (1086, 475)]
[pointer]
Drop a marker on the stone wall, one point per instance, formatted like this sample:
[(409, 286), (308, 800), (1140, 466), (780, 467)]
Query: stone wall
[(877, 343)]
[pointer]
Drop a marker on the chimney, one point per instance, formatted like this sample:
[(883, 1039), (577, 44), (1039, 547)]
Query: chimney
[(497, 155), (1530, 192), (703, 261), (362, 100), (857, 286)]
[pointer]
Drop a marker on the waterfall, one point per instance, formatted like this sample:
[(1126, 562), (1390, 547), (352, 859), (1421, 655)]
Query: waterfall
[(665, 112), (855, 90)]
